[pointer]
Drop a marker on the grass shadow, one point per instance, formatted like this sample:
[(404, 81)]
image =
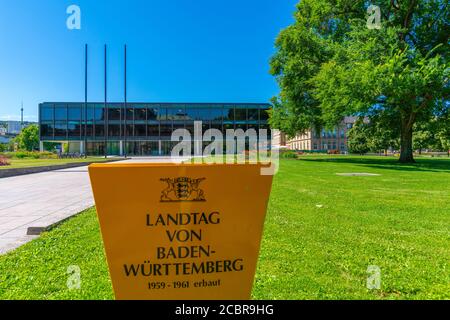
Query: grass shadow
[(389, 163)]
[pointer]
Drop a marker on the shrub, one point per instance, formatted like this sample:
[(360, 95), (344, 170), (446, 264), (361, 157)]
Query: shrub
[(20, 155), (288, 155), (31, 155), (4, 161)]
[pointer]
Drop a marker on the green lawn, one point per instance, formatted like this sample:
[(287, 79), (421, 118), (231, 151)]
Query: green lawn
[(322, 232), (27, 163)]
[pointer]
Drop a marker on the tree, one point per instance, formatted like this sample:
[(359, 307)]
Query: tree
[(357, 138), (376, 136), (329, 64), (28, 139), (424, 136)]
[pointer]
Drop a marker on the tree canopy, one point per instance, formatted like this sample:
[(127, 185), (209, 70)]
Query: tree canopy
[(330, 64), (28, 139)]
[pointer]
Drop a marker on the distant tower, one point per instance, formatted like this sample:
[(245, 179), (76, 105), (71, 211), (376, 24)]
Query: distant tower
[(21, 117)]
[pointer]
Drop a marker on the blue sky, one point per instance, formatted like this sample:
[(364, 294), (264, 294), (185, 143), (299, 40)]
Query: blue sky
[(178, 51)]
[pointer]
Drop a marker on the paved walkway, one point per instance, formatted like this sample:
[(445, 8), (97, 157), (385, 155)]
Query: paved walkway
[(42, 199)]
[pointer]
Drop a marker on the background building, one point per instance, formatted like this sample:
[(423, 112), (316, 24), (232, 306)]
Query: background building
[(13, 127), (325, 140), (140, 128)]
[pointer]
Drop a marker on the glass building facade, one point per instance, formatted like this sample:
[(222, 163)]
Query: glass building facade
[(140, 128)]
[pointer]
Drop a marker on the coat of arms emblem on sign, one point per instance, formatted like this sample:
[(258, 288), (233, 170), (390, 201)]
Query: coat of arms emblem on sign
[(182, 189)]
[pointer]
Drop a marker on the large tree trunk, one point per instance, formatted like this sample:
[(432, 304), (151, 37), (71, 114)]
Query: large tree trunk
[(406, 139)]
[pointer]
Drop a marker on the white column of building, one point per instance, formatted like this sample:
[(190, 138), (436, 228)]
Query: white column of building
[(41, 146), (121, 147), (82, 147)]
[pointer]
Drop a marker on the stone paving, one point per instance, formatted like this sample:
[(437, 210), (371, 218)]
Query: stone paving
[(43, 199)]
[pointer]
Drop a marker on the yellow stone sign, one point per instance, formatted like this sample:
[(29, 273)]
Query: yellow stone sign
[(189, 231)]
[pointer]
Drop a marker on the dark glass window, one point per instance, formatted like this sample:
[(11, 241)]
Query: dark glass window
[(114, 129), (89, 130), (162, 114), (264, 116), (90, 113), (215, 114), (166, 130), (153, 130), (74, 129), (60, 129), (190, 127), (253, 114), (198, 114), (99, 114), (152, 113), (140, 114), (177, 114), (47, 129), (228, 114), (177, 125), (60, 113), (240, 114), (74, 113), (47, 113), (130, 114), (140, 130), (114, 114), (130, 130), (99, 130)]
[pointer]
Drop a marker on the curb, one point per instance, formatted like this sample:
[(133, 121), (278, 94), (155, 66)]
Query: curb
[(6, 173)]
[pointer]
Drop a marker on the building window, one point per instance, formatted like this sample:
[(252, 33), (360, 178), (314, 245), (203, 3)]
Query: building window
[(177, 114), (253, 114), (216, 114), (166, 130), (61, 113), (130, 114), (74, 113), (46, 113), (240, 114), (60, 129), (140, 130), (140, 114), (73, 129), (228, 114), (114, 114), (114, 129), (100, 130), (47, 129), (99, 114), (264, 115), (152, 114), (153, 130)]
